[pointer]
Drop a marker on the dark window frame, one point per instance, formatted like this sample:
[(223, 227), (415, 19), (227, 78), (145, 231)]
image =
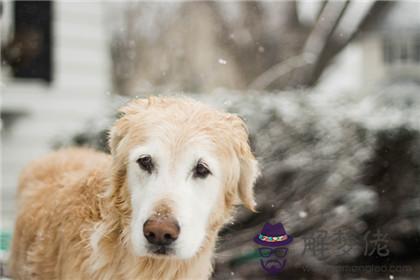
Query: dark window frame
[(30, 50)]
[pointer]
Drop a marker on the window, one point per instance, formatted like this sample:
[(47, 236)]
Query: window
[(401, 48), (388, 51), (417, 49), (29, 53)]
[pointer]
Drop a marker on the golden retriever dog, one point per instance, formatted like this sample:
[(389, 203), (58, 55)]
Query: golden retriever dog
[(150, 210)]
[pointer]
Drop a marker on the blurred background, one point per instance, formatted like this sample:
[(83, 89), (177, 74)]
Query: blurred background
[(330, 91)]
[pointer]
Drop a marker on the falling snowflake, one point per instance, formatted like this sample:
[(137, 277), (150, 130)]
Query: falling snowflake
[(303, 214), (227, 102), (222, 61)]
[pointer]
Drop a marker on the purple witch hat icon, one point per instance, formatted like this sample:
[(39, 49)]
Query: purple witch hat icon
[(273, 236)]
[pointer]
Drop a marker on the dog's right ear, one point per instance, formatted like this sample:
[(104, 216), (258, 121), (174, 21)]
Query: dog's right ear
[(120, 128), (122, 124), (116, 134)]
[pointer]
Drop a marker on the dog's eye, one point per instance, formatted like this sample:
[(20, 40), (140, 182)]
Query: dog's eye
[(201, 170), (146, 163)]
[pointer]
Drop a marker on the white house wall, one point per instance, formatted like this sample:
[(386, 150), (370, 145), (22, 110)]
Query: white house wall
[(373, 63), (78, 92)]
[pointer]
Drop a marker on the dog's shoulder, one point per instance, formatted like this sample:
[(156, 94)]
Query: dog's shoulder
[(53, 167), (58, 202)]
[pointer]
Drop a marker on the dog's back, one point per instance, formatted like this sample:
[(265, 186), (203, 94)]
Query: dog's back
[(62, 186)]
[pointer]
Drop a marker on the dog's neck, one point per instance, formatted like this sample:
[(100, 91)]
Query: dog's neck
[(198, 267), (118, 262)]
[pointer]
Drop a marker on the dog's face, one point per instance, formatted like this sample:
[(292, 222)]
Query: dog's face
[(184, 166)]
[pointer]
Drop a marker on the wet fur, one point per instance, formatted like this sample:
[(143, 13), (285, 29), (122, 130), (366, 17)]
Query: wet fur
[(74, 206)]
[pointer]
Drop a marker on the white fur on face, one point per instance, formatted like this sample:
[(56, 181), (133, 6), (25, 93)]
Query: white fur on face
[(192, 199)]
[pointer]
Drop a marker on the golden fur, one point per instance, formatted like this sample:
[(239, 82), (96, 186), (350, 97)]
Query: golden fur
[(74, 206)]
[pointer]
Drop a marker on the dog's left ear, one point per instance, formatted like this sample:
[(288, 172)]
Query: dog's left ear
[(249, 170), (248, 176)]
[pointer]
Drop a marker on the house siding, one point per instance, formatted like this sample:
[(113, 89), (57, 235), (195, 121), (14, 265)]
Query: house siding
[(56, 111)]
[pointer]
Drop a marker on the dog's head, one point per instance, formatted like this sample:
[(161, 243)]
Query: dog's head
[(178, 169)]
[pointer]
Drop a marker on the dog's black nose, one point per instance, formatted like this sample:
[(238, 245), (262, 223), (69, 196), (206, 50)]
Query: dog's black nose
[(162, 231)]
